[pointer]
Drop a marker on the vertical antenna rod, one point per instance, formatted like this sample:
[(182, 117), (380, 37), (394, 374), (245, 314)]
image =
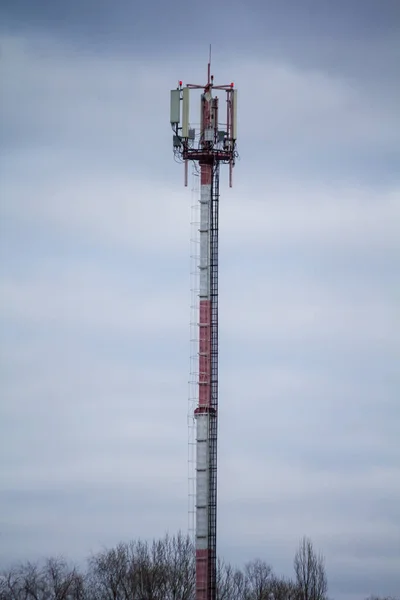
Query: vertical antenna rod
[(215, 143), (209, 65)]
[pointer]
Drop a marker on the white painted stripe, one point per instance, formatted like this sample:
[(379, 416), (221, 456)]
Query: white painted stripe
[(202, 543), (202, 480), (204, 204), (202, 455), (202, 523), (205, 192), (204, 239), (202, 427), (204, 284), (202, 492)]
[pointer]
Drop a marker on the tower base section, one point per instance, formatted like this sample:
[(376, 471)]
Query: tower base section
[(202, 562)]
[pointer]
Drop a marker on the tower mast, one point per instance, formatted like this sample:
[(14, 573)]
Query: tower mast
[(215, 143)]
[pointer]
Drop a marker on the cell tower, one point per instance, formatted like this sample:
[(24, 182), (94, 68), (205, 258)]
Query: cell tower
[(214, 143)]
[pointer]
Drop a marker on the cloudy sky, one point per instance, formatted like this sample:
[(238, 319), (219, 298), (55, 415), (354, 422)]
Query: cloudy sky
[(95, 280)]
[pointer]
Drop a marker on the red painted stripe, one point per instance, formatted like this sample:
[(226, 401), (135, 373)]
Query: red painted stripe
[(205, 353), (201, 574), (206, 175)]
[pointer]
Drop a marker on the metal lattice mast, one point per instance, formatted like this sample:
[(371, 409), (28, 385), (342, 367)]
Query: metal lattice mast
[(215, 143)]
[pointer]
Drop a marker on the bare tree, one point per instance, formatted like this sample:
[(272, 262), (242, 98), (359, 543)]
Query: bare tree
[(151, 570), (163, 570), (107, 572), (310, 572), (225, 575), (373, 597), (239, 585), (54, 581), (10, 587), (179, 567), (258, 580), (59, 581), (283, 589)]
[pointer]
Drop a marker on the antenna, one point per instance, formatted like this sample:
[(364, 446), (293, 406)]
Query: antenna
[(209, 65)]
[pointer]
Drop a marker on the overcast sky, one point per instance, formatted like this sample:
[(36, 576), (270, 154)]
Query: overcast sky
[(95, 280)]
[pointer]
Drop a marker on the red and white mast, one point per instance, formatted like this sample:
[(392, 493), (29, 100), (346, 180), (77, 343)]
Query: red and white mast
[(214, 143)]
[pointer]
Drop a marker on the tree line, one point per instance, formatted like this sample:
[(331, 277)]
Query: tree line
[(163, 570)]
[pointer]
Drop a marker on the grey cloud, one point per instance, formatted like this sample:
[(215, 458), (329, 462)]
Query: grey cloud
[(94, 336), (344, 35), (84, 519), (308, 121)]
